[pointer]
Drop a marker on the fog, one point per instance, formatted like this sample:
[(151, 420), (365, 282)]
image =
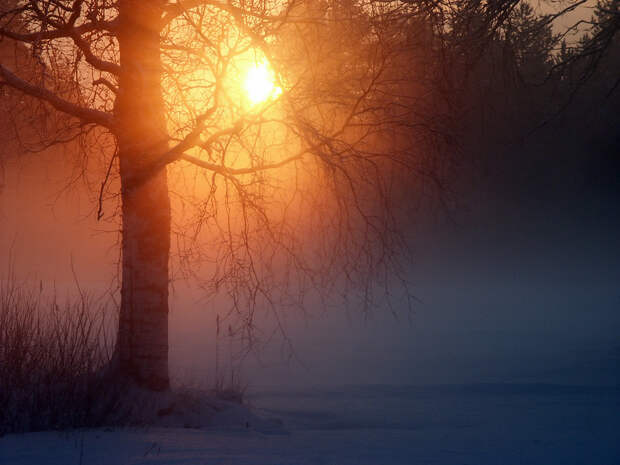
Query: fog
[(507, 293), (533, 305)]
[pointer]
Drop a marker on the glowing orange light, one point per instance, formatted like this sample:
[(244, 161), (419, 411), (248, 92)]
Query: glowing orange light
[(260, 83)]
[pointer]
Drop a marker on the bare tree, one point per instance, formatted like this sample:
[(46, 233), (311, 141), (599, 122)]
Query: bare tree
[(296, 184), (161, 81)]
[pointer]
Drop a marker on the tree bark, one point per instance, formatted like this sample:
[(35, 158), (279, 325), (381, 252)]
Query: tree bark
[(142, 345)]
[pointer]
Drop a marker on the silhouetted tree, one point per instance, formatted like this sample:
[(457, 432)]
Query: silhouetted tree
[(156, 83), (297, 192)]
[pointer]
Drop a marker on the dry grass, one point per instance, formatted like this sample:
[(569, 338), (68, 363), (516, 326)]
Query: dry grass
[(52, 361), (54, 367)]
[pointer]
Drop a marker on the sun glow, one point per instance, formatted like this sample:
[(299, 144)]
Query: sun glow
[(260, 83)]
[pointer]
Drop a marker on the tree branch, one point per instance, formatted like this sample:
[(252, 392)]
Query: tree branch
[(173, 10), (105, 82), (92, 59), (61, 32), (86, 115), (227, 171)]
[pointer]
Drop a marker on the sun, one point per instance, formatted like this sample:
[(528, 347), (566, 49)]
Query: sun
[(260, 83)]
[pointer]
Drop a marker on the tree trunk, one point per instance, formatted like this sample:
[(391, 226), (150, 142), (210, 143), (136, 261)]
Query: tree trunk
[(142, 345)]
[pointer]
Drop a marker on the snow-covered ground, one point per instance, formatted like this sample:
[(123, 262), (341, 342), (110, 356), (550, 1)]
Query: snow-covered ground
[(357, 425)]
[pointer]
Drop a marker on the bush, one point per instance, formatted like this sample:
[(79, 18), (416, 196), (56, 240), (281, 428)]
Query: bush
[(53, 360)]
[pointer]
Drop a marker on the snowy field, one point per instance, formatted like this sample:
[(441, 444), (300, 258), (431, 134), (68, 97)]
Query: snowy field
[(358, 425)]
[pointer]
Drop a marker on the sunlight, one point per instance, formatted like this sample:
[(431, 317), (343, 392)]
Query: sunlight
[(259, 83)]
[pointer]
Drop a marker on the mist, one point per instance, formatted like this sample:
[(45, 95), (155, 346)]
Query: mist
[(514, 290)]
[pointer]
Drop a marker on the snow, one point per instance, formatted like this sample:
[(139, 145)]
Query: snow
[(362, 425)]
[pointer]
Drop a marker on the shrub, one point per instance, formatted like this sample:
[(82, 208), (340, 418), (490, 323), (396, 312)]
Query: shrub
[(53, 359)]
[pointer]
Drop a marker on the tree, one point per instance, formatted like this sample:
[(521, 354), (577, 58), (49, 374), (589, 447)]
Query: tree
[(158, 79), (297, 188)]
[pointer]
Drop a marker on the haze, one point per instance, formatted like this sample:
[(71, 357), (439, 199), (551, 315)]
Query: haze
[(519, 288)]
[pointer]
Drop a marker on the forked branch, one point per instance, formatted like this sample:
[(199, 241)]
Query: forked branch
[(86, 115)]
